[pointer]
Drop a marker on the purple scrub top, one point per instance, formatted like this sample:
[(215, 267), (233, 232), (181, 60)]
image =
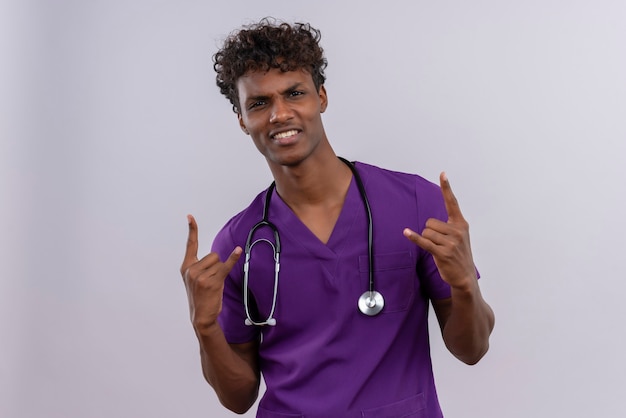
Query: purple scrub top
[(324, 358)]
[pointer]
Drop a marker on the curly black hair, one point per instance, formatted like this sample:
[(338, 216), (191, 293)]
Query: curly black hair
[(265, 45)]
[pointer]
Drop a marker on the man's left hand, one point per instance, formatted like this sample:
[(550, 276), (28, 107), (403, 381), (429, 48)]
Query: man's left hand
[(448, 242)]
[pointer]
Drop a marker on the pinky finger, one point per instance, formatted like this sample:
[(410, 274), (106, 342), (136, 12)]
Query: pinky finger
[(419, 240)]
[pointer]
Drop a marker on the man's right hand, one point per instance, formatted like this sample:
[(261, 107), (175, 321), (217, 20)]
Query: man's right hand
[(204, 280)]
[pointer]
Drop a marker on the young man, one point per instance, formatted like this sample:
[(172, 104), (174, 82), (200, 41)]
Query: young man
[(340, 328)]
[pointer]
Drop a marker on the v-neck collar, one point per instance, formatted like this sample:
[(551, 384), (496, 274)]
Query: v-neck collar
[(289, 224)]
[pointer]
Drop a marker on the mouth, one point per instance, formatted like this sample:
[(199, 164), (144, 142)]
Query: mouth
[(285, 137)]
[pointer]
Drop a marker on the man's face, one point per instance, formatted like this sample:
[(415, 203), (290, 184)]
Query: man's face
[(281, 111)]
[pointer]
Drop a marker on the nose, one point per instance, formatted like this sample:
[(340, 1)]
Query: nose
[(281, 112)]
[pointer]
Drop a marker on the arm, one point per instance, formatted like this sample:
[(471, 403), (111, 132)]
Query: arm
[(466, 324), (232, 370), (466, 320)]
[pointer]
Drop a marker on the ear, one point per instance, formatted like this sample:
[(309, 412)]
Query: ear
[(323, 98), (242, 125)]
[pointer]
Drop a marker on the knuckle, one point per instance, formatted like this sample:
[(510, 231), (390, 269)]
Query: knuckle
[(194, 272), (444, 250), (456, 235), (186, 273), (184, 269)]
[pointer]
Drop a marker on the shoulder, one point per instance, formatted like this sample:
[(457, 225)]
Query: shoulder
[(382, 177), (410, 190)]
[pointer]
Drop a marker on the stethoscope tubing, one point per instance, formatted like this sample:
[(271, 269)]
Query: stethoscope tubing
[(370, 222), (370, 303), (248, 253)]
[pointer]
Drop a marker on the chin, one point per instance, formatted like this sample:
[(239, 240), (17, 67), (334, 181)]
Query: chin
[(287, 160)]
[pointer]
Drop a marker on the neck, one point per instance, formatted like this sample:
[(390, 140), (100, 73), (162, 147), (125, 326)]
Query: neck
[(321, 182)]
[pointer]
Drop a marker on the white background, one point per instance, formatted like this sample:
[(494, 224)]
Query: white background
[(112, 130)]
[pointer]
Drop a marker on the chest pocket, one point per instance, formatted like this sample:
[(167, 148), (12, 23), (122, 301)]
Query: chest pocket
[(395, 278)]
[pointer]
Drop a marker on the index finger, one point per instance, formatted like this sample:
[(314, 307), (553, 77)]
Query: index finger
[(191, 253), (452, 204)]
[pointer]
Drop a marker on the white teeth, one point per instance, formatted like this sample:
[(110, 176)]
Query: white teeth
[(285, 134)]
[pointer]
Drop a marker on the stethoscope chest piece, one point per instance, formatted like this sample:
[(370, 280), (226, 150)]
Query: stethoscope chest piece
[(371, 303)]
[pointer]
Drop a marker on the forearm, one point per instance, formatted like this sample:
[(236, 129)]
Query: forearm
[(233, 375), (469, 325)]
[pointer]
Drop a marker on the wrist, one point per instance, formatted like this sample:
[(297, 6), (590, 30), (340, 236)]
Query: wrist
[(466, 286), (205, 328)]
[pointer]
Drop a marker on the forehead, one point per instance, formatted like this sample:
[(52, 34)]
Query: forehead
[(263, 83)]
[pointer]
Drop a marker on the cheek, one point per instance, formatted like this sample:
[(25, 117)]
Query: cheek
[(251, 125), (257, 140), (254, 131)]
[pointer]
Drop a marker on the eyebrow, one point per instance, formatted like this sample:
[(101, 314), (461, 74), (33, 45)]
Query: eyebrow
[(289, 89), (293, 87)]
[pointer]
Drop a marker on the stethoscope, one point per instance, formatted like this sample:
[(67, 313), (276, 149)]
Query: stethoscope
[(370, 302)]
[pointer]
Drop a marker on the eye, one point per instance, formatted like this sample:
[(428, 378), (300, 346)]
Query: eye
[(296, 93), (258, 103)]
